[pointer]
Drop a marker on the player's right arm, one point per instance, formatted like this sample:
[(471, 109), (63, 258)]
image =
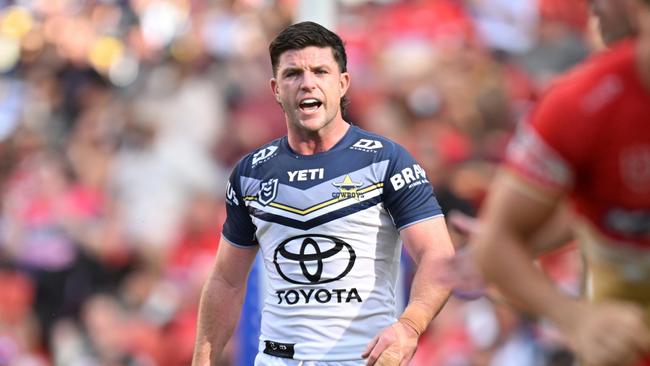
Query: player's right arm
[(605, 334), (542, 159), (223, 293), (221, 302)]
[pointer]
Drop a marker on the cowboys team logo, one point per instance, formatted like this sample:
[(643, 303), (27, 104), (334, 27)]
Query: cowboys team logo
[(268, 191), (347, 189)]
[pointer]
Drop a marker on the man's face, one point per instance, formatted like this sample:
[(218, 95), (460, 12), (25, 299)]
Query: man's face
[(309, 86), (613, 20)]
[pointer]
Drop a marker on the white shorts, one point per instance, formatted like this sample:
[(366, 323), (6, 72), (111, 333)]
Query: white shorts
[(263, 359)]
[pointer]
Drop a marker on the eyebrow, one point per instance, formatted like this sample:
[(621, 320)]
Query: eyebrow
[(291, 68), (296, 68)]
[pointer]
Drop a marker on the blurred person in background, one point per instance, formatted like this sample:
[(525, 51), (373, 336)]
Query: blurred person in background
[(327, 205), (47, 216), (613, 25), (586, 141), (612, 20)]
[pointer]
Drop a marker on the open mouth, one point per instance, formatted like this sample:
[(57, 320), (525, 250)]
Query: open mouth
[(310, 104)]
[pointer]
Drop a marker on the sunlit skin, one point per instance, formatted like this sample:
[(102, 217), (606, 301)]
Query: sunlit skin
[(311, 74), (612, 330), (613, 20)]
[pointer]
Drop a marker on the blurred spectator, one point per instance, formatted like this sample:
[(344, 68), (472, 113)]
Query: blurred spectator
[(19, 330)]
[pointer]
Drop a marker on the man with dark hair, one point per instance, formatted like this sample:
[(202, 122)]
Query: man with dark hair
[(328, 206), (588, 141), (305, 35)]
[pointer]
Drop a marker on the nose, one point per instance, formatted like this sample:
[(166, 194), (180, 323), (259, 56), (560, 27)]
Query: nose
[(308, 81)]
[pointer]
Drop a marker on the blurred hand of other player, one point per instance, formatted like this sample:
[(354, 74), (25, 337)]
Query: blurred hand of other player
[(461, 274), (459, 271), (608, 334), (394, 346)]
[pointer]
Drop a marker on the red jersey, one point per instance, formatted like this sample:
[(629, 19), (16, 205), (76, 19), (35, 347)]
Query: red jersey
[(590, 136)]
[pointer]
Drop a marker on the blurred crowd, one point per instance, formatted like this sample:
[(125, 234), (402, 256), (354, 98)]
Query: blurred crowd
[(121, 119)]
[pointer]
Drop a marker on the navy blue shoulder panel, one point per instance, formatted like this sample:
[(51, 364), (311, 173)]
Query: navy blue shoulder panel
[(356, 150), (260, 159), (238, 227), (407, 194)]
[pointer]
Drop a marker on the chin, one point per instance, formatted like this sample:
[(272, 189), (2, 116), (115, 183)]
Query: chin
[(311, 124)]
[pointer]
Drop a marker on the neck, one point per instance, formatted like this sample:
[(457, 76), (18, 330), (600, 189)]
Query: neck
[(314, 142), (643, 45), (643, 60)]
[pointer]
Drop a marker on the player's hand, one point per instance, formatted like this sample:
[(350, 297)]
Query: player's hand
[(464, 224), (394, 346), (461, 273), (608, 334)]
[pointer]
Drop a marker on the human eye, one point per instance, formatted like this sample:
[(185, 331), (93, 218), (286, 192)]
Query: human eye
[(290, 73)]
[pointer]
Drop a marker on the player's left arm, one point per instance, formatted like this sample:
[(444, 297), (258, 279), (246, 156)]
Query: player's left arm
[(429, 245)]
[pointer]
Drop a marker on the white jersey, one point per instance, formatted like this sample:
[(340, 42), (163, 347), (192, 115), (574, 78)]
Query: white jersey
[(327, 227)]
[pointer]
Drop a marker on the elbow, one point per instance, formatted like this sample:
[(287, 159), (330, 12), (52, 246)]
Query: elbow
[(218, 283)]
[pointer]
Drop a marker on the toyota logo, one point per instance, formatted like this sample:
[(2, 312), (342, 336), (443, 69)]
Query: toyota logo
[(308, 252)]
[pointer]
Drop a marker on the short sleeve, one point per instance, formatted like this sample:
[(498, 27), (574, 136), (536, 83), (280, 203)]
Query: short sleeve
[(561, 122), (551, 143), (238, 228), (408, 195)]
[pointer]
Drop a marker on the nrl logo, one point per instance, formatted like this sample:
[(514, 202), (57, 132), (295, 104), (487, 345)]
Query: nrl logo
[(268, 191), (347, 189)]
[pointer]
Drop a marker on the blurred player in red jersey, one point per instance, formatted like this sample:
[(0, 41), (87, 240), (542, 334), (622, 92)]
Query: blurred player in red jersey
[(587, 141)]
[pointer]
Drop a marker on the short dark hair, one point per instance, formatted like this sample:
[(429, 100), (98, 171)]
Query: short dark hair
[(304, 34)]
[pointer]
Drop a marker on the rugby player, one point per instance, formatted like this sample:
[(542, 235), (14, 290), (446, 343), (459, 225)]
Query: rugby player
[(328, 206), (588, 142)]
